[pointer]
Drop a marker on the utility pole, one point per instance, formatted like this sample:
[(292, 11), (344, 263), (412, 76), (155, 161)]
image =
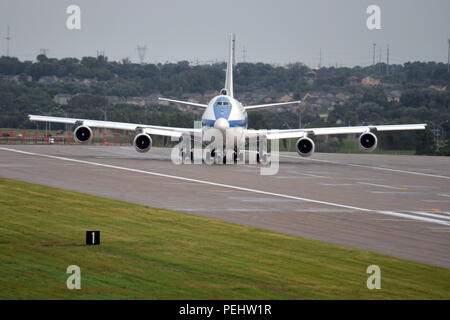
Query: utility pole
[(379, 60), (320, 58), (448, 61), (8, 37), (387, 59), (374, 45), (243, 55)]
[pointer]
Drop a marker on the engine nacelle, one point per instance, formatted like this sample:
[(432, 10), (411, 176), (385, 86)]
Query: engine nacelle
[(142, 142), (305, 147), (82, 134), (368, 141)]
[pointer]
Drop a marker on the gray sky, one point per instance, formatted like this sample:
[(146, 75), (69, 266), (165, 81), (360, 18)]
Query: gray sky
[(277, 32)]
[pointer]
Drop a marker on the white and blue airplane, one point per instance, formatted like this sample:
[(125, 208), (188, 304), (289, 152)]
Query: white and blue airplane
[(229, 116)]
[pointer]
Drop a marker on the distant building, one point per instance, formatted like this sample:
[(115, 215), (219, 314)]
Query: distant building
[(369, 81), (139, 101), (48, 80), (11, 78), (393, 96), (62, 98), (438, 88), (115, 100), (310, 77), (353, 81), (16, 78), (286, 98)]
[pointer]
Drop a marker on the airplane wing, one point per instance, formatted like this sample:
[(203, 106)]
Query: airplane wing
[(150, 129), (262, 106), (298, 133), (204, 106)]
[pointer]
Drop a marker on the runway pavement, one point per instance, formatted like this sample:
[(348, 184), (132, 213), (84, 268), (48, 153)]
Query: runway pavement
[(396, 205)]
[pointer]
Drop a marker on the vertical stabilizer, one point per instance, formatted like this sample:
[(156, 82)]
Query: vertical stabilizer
[(229, 76)]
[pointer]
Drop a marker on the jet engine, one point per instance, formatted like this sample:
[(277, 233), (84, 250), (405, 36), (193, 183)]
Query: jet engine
[(305, 147), (82, 134), (142, 142), (368, 141)]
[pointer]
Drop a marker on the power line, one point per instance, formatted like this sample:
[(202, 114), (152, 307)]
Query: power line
[(379, 60), (448, 61), (387, 59), (320, 58), (373, 62)]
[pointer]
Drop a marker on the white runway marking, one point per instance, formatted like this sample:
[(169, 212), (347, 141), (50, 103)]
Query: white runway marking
[(383, 186), (285, 196), (339, 184), (435, 215), (395, 192), (371, 167), (444, 195)]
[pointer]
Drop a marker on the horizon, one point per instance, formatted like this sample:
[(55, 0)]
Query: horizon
[(212, 63), (271, 33)]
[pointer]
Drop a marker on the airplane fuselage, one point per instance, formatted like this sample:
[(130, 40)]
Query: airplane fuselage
[(227, 115)]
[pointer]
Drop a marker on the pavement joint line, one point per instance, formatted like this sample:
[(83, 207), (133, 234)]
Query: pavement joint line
[(371, 167), (385, 212)]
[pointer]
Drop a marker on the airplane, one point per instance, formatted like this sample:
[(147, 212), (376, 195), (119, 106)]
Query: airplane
[(227, 115)]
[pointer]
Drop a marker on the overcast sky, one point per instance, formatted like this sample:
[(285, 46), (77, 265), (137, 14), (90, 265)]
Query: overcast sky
[(278, 32)]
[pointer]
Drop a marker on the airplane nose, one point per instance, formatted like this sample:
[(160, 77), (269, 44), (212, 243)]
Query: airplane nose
[(221, 124)]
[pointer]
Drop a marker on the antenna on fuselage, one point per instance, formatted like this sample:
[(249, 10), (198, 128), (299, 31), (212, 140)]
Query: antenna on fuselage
[(229, 75)]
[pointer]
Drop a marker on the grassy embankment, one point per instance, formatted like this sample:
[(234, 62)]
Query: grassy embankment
[(149, 253)]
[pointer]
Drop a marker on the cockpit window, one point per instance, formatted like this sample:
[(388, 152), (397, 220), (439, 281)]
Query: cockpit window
[(219, 103), (225, 103)]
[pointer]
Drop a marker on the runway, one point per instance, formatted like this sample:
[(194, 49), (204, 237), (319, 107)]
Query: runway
[(395, 205)]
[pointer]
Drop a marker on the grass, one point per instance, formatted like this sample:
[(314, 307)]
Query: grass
[(149, 253)]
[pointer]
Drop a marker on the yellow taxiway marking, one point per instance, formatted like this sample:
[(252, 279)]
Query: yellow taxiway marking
[(425, 209)]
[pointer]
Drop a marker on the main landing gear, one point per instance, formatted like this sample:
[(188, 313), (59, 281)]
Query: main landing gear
[(215, 157)]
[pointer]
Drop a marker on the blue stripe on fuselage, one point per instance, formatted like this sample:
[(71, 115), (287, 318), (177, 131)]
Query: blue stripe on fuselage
[(233, 123)]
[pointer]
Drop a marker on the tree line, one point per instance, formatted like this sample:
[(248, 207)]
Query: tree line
[(424, 86)]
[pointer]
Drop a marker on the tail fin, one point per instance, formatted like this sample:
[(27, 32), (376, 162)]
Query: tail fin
[(229, 76)]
